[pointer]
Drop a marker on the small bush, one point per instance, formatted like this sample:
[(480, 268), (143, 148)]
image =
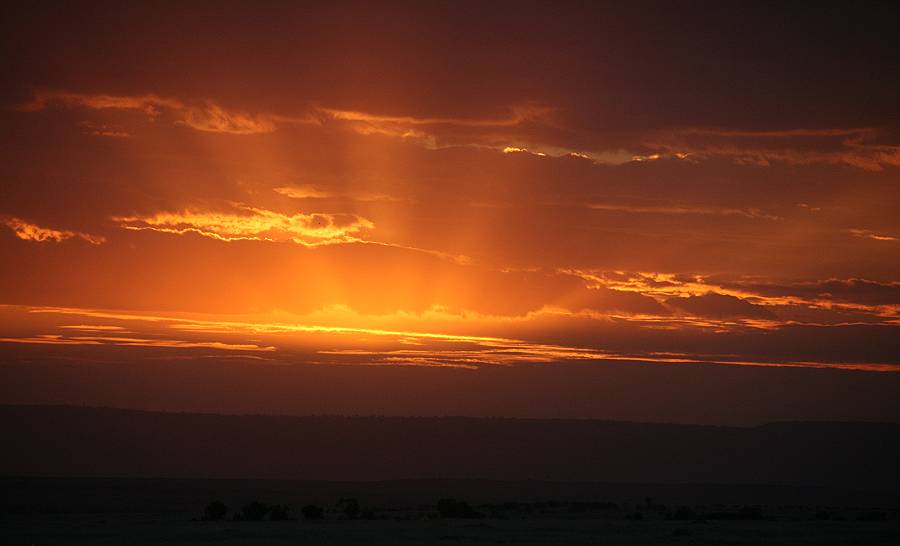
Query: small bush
[(452, 508), (313, 512), (279, 512), (215, 511), (349, 507), (684, 513), (255, 511)]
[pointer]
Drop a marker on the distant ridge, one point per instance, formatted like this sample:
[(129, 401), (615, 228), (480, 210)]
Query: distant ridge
[(86, 441)]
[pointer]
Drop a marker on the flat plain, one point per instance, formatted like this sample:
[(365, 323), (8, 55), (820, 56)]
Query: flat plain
[(66, 511)]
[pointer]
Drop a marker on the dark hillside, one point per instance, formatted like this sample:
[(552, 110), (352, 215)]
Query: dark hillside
[(77, 441)]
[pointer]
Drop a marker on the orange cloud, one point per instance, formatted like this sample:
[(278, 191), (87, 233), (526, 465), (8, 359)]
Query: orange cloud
[(866, 234), (47, 339), (149, 104), (56, 339), (257, 224), (33, 232), (312, 192), (254, 224), (856, 147), (215, 119), (722, 306), (104, 130), (498, 133), (347, 345), (529, 128), (518, 114), (723, 301), (714, 211), (304, 192), (211, 117), (208, 117)]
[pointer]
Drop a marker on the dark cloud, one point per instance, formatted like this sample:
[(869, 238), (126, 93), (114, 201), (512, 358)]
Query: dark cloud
[(861, 291), (606, 300), (719, 306)]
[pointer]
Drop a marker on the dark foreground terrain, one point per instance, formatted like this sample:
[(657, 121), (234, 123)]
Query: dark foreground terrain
[(192, 479), (80, 441), (57, 511), (153, 530)]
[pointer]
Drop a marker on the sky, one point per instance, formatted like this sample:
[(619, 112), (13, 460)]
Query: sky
[(680, 212)]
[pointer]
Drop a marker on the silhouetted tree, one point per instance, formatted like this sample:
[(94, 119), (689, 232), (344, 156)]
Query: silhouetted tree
[(452, 508), (215, 511), (684, 513), (349, 507), (255, 511), (313, 512), (279, 512)]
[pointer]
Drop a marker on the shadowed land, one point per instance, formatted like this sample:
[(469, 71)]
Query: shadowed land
[(150, 478), (164, 511), (95, 442)]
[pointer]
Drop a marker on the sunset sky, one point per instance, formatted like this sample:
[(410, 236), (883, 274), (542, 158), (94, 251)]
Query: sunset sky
[(665, 212)]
